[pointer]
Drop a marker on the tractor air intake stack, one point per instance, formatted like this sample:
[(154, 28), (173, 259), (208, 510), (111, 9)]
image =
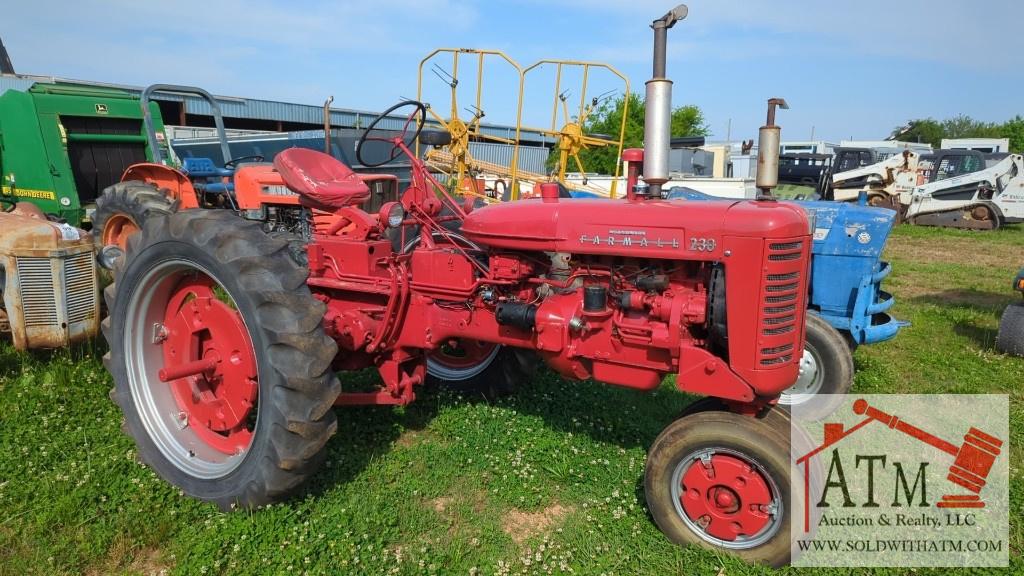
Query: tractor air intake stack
[(658, 113), (768, 145)]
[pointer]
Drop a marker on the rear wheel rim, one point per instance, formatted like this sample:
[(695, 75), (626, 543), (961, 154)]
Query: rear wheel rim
[(117, 229), (461, 359), (726, 498), (202, 424)]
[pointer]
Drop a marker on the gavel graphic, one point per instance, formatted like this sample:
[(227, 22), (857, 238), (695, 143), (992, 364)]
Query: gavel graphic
[(972, 460)]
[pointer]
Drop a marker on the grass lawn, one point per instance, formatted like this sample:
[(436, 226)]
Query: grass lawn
[(549, 481)]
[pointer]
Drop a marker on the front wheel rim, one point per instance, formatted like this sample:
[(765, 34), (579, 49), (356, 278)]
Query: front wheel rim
[(203, 423), (726, 498), (117, 229), (809, 381)]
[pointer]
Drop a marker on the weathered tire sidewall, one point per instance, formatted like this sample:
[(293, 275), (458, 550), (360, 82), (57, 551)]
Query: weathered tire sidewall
[(212, 489), (758, 439), (1010, 338)]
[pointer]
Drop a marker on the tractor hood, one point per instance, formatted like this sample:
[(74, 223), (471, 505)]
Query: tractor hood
[(844, 229), (23, 233), (641, 228)]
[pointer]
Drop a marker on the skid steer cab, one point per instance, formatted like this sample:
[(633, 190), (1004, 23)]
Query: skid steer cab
[(246, 185)]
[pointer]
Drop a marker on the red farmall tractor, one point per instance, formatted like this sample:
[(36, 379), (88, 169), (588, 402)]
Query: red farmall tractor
[(226, 341)]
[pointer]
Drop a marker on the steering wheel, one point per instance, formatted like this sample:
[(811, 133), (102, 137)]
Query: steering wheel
[(7, 205), (230, 164), (417, 115)]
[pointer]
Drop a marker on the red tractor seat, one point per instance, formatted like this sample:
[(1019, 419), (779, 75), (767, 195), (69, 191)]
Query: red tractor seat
[(321, 181)]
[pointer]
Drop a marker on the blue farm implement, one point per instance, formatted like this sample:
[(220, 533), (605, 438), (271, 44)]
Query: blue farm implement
[(846, 299)]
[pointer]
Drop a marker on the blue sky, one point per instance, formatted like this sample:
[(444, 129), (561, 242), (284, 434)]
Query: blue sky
[(848, 69)]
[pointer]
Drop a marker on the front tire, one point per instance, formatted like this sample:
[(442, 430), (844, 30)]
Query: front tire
[(826, 371), (1010, 339), (208, 287), (722, 481)]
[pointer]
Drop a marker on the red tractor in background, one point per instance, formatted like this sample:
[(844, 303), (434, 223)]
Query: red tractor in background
[(226, 338), (159, 188)]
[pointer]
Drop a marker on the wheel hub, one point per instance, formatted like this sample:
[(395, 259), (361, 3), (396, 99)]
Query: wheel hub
[(206, 340), (726, 498)]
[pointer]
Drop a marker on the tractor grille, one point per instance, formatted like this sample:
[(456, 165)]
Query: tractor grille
[(38, 297), (41, 299), (781, 307), (79, 274)]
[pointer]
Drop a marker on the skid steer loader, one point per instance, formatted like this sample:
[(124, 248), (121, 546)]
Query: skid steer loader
[(887, 183), (980, 199)]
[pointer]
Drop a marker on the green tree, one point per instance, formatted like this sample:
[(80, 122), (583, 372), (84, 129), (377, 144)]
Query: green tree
[(1014, 130), (926, 130), (963, 126), (931, 131), (607, 120)]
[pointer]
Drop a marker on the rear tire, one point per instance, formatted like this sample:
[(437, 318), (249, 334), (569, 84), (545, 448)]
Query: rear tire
[(693, 501), (1010, 339), (124, 208), (826, 371), (497, 376), (275, 412)]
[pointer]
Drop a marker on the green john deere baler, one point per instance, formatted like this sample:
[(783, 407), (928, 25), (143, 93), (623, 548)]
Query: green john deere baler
[(62, 144)]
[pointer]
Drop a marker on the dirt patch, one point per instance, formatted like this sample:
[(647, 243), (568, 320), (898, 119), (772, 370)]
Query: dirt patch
[(952, 251), (410, 438), (441, 504), (147, 561), (524, 525)]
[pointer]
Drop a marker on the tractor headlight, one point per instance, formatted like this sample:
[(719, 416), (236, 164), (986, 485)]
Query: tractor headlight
[(109, 256), (392, 214)]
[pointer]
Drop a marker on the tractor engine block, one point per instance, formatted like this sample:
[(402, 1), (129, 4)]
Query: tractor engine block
[(620, 320)]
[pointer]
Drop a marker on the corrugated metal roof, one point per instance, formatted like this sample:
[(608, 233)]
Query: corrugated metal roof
[(531, 158), (20, 83), (253, 108)]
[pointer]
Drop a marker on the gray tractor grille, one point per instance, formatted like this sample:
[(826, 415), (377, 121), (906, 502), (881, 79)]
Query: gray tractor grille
[(38, 294)]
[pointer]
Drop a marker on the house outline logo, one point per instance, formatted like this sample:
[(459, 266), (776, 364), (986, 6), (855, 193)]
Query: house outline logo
[(973, 460)]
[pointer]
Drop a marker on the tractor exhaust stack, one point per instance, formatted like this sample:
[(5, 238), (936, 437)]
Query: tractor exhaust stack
[(658, 106), (769, 139)]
